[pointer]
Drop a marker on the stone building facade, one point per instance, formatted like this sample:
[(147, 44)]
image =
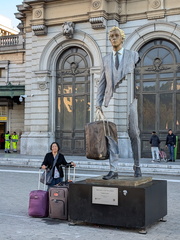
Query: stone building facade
[(57, 59)]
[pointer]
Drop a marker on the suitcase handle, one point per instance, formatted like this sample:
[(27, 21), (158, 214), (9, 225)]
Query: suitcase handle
[(100, 116), (67, 175), (40, 181)]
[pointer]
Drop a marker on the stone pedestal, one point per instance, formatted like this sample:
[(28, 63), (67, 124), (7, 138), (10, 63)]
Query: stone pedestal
[(121, 181), (129, 202)]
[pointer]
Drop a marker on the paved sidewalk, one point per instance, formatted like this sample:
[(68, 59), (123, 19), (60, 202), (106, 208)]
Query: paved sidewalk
[(15, 224), (125, 165)]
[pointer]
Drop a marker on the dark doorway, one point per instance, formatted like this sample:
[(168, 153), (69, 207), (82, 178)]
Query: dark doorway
[(73, 100), (2, 132)]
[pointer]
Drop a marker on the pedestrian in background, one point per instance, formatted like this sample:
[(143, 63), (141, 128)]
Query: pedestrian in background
[(14, 139), (7, 142), (155, 141), (171, 144)]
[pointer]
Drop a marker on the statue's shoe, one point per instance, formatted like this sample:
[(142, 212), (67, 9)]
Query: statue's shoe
[(137, 171), (111, 175)]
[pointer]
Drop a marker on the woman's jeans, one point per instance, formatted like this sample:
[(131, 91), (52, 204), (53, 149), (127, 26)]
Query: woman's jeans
[(171, 151), (55, 181)]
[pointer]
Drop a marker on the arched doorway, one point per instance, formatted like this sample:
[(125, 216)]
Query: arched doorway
[(73, 100), (157, 87)]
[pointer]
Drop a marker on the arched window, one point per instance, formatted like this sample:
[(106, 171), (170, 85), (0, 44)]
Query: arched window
[(157, 87)]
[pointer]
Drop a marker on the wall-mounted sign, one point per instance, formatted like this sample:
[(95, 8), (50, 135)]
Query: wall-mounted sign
[(105, 195), (3, 118)]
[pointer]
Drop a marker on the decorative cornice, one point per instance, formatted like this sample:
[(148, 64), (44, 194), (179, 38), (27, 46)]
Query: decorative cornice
[(40, 12), (40, 29), (97, 22), (156, 14)]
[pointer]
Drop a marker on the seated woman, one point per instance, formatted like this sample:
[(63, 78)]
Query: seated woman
[(48, 163)]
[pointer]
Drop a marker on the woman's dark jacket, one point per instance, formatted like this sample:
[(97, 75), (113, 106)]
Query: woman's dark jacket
[(171, 139), (48, 162), (154, 141)]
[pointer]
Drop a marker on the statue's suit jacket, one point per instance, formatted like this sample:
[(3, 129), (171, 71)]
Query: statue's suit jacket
[(111, 78)]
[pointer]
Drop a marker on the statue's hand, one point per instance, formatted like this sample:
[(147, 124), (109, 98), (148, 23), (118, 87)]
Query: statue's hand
[(99, 113), (99, 108)]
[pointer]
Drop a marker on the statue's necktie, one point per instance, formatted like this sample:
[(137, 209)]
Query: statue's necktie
[(116, 60)]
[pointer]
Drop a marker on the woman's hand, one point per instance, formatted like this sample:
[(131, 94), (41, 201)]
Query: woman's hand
[(73, 164), (43, 167)]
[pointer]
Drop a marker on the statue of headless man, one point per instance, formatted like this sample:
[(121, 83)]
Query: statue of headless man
[(116, 65)]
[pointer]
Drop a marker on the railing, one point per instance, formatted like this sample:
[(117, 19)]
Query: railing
[(11, 40)]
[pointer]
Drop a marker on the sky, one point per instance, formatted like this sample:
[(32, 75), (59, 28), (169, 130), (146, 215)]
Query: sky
[(8, 8)]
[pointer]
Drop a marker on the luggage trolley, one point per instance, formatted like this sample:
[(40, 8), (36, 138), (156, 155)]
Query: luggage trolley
[(163, 155)]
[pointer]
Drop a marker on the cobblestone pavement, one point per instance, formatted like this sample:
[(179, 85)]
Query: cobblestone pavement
[(15, 224)]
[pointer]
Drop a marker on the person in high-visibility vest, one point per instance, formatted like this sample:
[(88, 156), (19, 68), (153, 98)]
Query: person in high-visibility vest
[(14, 138), (7, 142)]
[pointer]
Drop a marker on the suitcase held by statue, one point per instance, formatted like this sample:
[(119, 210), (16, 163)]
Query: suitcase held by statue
[(96, 141)]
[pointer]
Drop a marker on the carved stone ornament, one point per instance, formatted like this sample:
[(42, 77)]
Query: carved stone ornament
[(96, 4), (74, 70), (37, 13), (156, 4), (39, 29), (97, 22), (42, 86), (157, 66), (68, 29)]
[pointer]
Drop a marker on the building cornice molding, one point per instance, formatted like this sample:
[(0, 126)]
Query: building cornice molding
[(40, 12)]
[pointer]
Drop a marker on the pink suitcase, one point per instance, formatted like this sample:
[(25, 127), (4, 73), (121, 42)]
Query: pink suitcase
[(38, 202)]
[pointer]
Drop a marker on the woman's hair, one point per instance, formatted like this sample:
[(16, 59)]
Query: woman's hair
[(56, 144)]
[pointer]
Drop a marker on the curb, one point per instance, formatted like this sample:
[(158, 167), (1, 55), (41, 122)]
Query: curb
[(150, 168)]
